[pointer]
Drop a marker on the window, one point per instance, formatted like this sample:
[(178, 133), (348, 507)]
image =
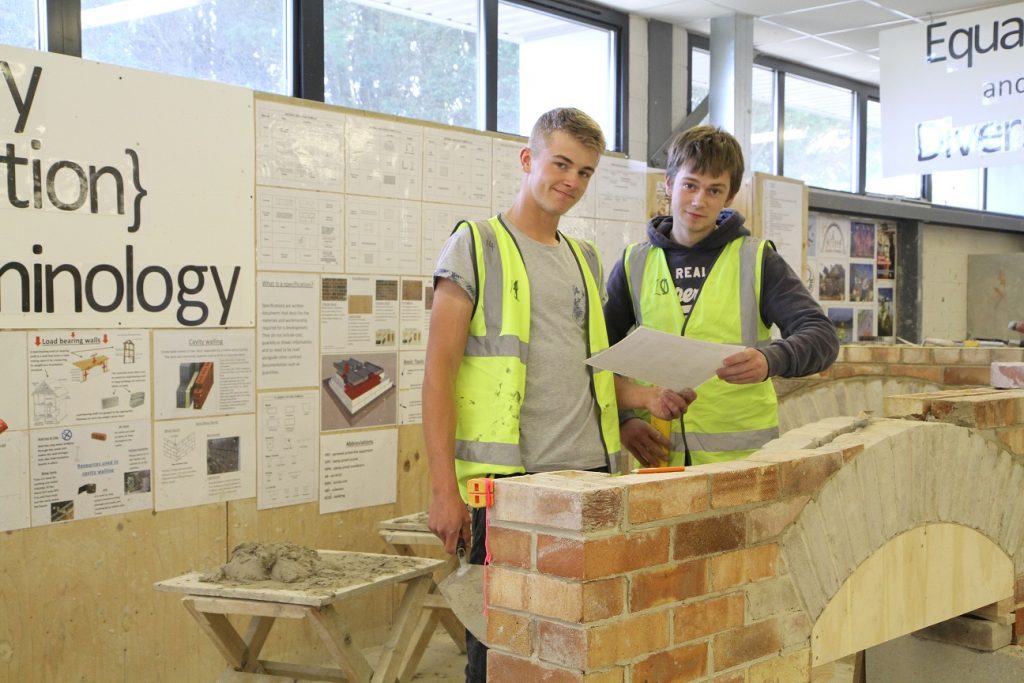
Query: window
[(408, 62), (20, 26), (958, 188), (762, 121), (818, 134), (1003, 185), (700, 76), (902, 185), (550, 61), (244, 42)]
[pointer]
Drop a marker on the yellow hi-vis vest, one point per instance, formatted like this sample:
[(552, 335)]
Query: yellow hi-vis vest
[(491, 383), (727, 421)]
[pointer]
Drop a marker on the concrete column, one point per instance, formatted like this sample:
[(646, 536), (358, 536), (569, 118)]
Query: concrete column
[(732, 64)]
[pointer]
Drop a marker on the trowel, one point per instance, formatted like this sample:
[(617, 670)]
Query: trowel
[(463, 589)]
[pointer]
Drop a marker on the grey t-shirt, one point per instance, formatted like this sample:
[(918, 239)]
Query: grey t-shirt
[(559, 423)]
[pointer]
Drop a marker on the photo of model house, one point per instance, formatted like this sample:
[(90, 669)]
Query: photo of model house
[(356, 383)]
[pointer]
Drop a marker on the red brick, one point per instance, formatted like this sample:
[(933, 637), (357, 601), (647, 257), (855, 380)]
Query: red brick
[(856, 354), (795, 666), (709, 535), (805, 475), (885, 354), (549, 596), (575, 507), (509, 547), (590, 559), (506, 668), (1018, 627), (661, 586), (681, 664), (700, 619), (627, 639), (769, 521), (509, 631), (966, 375), (562, 644), (946, 356), (929, 373), (983, 412), (748, 485), (604, 599), (743, 566), (746, 643), (979, 356), (673, 496), (732, 677), (1019, 590), (845, 371)]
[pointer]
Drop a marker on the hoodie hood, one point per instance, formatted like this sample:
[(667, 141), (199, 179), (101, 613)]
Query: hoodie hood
[(729, 226)]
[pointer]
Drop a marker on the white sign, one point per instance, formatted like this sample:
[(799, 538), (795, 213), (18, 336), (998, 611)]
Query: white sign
[(953, 91), (118, 205)]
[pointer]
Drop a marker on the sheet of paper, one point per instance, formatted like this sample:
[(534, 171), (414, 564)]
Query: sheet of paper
[(299, 147), (203, 370), (358, 470), (410, 386), (300, 229), (664, 359), (14, 481), (287, 449), (289, 321)]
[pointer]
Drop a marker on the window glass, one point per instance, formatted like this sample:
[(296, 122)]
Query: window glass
[(902, 185), (19, 26), (553, 62), (1004, 189), (762, 121), (818, 135), (244, 42), (407, 62), (700, 76), (957, 188)]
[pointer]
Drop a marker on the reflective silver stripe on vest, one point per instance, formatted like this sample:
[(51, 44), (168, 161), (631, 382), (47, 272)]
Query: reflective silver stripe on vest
[(488, 453), (730, 441), (748, 294), (494, 344), (637, 266), (677, 442)]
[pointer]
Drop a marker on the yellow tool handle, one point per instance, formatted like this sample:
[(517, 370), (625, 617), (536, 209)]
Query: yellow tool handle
[(664, 427)]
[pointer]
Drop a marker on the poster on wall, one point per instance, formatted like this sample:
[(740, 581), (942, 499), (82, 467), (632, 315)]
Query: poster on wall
[(124, 209), (358, 390), (14, 481), (199, 373), (382, 236), (83, 472), (383, 158), (300, 230), (289, 321), (358, 469), (457, 167), (359, 313), (14, 366), (439, 221), (299, 147), (417, 300), (410, 387), (886, 256), (287, 443), (85, 376), (204, 461)]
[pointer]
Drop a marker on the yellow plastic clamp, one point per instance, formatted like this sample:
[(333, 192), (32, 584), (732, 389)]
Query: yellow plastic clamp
[(480, 492)]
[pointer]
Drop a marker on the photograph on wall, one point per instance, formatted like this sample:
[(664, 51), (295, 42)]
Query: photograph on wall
[(89, 471), (842, 318), (288, 315), (833, 238), (862, 240), (358, 469), (865, 323), (204, 461), (286, 452), (885, 312), (832, 280), (86, 376), (862, 282), (886, 258), (358, 390), (14, 481), (359, 313), (200, 373)]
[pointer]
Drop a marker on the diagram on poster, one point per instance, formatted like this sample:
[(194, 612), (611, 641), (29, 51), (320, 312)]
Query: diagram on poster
[(383, 236), (300, 230), (14, 366), (299, 147), (204, 461), (417, 299), (457, 167), (358, 314), (506, 173), (289, 320), (357, 390), (287, 449), (358, 469), (383, 158), (14, 481), (87, 376), (612, 239), (202, 373), (88, 471), (621, 190), (410, 386), (439, 220)]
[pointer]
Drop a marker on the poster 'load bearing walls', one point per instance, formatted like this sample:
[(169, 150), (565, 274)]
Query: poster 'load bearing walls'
[(118, 203)]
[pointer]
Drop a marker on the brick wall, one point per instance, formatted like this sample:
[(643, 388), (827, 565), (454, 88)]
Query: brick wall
[(720, 573)]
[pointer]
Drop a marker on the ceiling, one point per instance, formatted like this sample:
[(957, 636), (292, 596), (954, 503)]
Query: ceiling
[(839, 36)]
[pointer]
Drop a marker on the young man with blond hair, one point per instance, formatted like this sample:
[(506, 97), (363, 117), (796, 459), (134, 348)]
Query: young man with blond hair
[(516, 312), (702, 275)]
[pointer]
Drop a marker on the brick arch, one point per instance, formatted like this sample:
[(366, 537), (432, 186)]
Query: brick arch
[(929, 511), (805, 403)]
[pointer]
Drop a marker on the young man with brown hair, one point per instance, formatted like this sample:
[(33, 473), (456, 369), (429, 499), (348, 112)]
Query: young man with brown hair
[(702, 275)]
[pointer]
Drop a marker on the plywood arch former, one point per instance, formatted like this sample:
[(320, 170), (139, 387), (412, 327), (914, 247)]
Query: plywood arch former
[(919, 578)]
